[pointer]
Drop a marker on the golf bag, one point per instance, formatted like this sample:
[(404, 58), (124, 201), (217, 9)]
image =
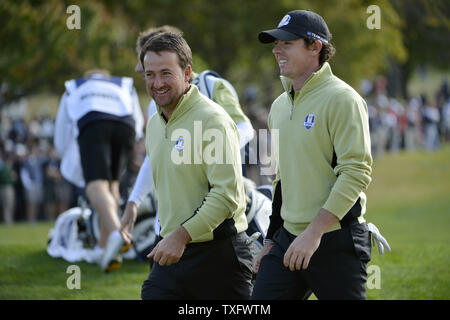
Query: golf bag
[(258, 211), (78, 229), (64, 240)]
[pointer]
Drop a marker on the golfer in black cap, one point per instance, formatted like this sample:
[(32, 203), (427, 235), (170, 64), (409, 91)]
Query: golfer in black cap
[(318, 240)]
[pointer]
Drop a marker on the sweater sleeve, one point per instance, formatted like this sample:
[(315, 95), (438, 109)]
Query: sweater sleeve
[(137, 115), (349, 131), (225, 98), (226, 196), (246, 133), (143, 184), (63, 127)]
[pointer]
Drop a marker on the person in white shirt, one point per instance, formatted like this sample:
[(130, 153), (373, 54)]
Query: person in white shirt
[(97, 123)]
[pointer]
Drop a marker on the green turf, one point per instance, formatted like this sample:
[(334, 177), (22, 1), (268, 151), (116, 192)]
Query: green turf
[(28, 272), (408, 199)]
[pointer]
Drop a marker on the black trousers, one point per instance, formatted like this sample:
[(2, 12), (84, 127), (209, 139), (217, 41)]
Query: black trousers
[(337, 270), (218, 269), (105, 148)]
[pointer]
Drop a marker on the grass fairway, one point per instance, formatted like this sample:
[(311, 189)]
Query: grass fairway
[(408, 199), (28, 272)]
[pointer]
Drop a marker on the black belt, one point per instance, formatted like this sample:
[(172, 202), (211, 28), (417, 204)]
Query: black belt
[(158, 238)]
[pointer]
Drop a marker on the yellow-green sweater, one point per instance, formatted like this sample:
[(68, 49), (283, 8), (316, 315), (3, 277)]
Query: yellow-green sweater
[(204, 196), (324, 158)]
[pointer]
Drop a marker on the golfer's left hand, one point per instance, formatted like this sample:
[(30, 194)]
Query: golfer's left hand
[(301, 250), (170, 249)]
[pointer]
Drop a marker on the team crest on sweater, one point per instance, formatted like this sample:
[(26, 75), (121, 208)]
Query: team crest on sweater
[(179, 145), (309, 121)]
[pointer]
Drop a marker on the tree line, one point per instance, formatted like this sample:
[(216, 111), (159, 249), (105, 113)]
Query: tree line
[(39, 50)]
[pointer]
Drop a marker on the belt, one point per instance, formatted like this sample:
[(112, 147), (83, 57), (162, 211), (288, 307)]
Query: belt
[(158, 238)]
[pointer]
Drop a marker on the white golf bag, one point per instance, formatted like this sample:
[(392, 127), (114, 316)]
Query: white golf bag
[(258, 211), (78, 229)]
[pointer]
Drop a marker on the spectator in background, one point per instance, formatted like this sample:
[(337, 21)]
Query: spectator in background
[(33, 181), (374, 126), (431, 118), (381, 102), (446, 121), (396, 125), (442, 100), (5, 127), (19, 131), (34, 128), (7, 195), (56, 189), (20, 152), (47, 128), (413, 134)]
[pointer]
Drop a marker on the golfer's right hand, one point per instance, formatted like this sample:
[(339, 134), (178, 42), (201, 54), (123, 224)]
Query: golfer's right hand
[(257, 260), (127, 222)]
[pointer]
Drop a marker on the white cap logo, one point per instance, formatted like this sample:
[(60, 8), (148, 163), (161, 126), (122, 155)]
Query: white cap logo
[(284, 21)]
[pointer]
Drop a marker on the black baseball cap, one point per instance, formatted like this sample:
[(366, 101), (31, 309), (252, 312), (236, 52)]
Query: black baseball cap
[(298, 24)]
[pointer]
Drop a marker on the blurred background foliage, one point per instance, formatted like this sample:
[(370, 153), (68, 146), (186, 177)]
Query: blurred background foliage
[(39, 52)]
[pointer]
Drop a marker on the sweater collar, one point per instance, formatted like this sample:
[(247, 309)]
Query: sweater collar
[(186, 102), (314, 80)]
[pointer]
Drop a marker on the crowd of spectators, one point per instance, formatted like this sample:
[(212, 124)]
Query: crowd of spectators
[(32, 188), (419, 123)]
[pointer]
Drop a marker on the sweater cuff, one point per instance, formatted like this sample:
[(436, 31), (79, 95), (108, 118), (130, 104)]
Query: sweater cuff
[(338, 204), (194, 228)]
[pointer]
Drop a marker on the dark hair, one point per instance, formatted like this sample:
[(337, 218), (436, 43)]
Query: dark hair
[(327, 51), (168, 41), (147, 34)]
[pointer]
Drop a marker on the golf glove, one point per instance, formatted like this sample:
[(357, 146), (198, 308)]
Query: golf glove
[(252, 238), (378, 239)]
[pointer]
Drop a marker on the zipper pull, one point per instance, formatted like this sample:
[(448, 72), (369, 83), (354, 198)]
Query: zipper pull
[(292, 96)]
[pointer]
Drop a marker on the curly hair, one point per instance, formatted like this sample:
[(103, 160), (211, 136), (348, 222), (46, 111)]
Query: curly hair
[(168, 41), (147, 34), (327, 51)]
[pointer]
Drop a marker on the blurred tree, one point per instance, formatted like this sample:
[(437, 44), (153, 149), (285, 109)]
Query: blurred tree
[(39, 51), (361, 53), (426, 36), (224, 34)]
